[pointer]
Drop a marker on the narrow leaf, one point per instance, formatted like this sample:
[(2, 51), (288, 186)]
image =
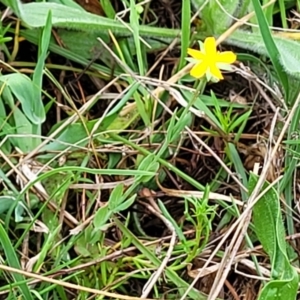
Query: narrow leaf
[(13, 261)]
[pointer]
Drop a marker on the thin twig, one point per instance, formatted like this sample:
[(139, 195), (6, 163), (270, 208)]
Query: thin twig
[(153, 279), (67, 284)]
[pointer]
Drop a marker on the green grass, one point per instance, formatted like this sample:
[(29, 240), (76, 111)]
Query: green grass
[(117, 185)]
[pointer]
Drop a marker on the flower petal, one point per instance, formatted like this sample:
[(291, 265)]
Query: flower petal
[(215, 72), (196, 54), (199, 70), (210, 46), (226, 57)]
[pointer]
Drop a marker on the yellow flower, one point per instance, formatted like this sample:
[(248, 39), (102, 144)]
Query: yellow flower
[(209, 61)]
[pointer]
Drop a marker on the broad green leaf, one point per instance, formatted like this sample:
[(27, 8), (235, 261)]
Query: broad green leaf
[(73, 136), (89, 47), (81, 57), (6, 129), (20, 125), (24, 127), (289, 51), (270, 231), (23, 89), (5, 203), (218, 14), (35, 15), (280, 289)]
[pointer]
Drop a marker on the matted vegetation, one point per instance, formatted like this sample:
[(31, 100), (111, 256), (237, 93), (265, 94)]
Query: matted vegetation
[(131, 168)]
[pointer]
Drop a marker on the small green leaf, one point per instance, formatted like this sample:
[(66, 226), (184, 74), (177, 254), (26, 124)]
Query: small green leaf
[(149, 163), (289, 51), (6, 203), (126, 204), (217, 14), (116, 198), (21, 125), (113, 160), (102, 215)]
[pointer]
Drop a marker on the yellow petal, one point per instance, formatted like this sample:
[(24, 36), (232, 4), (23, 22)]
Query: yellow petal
[(227, 57), (215, 71), (195, 54), (210, 46), (199, 70)]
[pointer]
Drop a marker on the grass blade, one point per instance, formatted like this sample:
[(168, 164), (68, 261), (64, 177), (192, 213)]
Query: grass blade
[(271, 47), (13, 261)]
